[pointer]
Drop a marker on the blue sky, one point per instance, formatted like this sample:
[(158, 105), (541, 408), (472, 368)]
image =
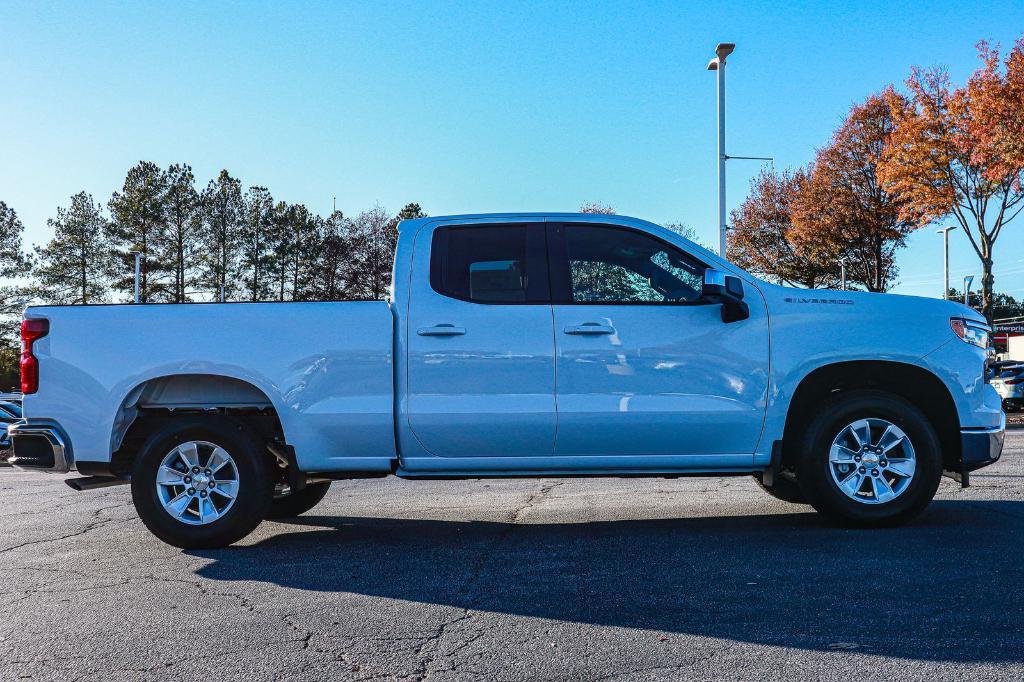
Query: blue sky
[(465, 107)]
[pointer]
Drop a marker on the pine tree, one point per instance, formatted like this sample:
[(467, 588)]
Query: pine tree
[(257, 227), (222, 211), (13, 264), (73, 266), (304, 242), (139, 224), (280, 245), (183, 220)]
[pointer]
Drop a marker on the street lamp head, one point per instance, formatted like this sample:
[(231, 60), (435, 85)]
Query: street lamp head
[(723, 50), (713, 64)]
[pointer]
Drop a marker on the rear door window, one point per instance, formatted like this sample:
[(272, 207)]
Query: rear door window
[(503, 264)]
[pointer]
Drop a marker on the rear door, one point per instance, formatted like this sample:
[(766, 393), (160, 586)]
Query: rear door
[(481, 379), (645, 368)]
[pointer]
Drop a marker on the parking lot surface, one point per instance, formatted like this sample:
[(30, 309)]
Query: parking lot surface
[(625, 579)]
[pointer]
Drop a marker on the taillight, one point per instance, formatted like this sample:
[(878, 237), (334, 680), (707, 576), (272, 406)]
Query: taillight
[(31, 330)]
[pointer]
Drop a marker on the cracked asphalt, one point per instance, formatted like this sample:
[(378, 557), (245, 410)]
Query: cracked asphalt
[(589, 579)]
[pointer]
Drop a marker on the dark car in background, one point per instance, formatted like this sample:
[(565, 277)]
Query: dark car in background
[(10, 412)]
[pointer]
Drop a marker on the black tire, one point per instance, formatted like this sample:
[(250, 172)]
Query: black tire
[(300, 502), (784, 489), (255, 485), (814, 471)]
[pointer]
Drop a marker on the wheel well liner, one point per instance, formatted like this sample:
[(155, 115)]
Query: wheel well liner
[(915, 384), (159, 399)]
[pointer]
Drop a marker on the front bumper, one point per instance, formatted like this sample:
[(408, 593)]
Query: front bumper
[(980, 447), (40, 447)]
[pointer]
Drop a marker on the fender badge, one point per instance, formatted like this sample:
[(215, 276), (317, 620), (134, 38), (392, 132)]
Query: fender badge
[(832, 301)]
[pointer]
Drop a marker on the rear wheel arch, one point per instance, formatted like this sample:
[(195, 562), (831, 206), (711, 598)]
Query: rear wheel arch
[(151, 404), (917, 385)]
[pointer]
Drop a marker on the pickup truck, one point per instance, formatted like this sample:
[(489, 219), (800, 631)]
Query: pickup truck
[(533, 345)]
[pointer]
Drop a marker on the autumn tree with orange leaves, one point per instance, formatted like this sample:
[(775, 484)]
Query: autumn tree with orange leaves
[(762, 239), (959, 152), (842, 210), (795, 227)]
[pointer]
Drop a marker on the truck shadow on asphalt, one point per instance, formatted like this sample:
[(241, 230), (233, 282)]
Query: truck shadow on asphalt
[(947, 587)]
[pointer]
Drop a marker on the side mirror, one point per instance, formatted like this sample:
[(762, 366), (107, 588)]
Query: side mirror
[(727, 290)]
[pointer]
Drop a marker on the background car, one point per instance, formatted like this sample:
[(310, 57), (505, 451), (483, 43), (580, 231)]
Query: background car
[(1008, 380)]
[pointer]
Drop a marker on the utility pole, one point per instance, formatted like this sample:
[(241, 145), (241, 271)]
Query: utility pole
[(945, 259), (722, 51)]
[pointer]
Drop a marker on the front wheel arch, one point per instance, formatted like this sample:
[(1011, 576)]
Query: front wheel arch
[(912, 383)]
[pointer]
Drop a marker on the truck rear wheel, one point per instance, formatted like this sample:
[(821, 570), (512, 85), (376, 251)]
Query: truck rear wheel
[(869, 458), (287, 504), (201, 482)]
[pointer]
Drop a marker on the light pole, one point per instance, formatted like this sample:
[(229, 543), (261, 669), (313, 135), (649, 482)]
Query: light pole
[(722, 51), (945, 259), (967, 288), (842, 271)]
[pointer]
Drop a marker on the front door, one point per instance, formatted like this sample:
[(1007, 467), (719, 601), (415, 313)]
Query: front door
[(481, 377), (644, 368)]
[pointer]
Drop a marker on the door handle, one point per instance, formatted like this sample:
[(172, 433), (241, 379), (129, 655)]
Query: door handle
[(441, 330), (589, 328)]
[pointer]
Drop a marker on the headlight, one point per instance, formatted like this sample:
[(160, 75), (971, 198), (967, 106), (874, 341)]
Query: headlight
[(970, 331)]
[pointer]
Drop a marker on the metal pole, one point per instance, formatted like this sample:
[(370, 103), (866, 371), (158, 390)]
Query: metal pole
[(842, 269), (722, 51), (945, 264), (945, 260), (138, 274), (722, 226)]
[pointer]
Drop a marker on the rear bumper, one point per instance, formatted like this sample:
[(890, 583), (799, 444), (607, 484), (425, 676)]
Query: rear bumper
[(40, 447)]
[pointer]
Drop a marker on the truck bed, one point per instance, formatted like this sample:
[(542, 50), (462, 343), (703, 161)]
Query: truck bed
[(326, 368)]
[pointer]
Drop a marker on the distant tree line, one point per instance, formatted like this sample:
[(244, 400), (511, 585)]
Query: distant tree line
[(221, 242), (218, 242)]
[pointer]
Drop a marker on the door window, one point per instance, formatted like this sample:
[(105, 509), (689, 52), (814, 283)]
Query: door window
[(620, 266)]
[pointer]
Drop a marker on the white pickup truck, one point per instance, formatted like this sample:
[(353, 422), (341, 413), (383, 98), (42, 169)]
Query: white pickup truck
[(512, 345)]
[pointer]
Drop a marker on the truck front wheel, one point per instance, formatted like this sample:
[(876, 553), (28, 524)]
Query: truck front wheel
[(201, 482), (869, 458)]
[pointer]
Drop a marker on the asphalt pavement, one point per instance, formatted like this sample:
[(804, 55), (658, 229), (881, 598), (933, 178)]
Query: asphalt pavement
[(583, 579)]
